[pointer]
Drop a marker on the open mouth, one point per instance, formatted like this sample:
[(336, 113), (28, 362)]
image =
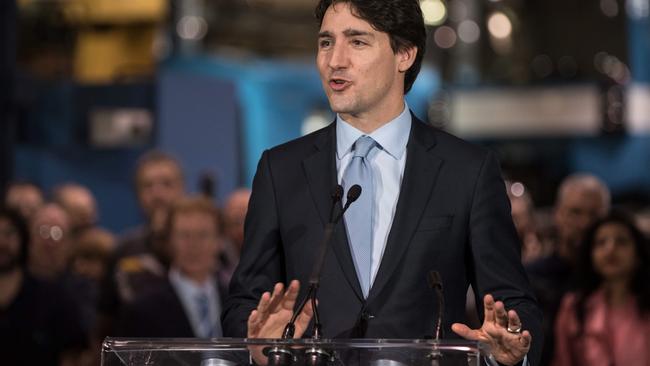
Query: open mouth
[(339, 84)]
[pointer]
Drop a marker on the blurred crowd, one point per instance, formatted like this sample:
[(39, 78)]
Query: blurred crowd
[(66, 284)]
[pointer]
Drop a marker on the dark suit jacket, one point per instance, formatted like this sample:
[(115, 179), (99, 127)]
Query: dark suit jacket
[(452, 216), (158, 314)]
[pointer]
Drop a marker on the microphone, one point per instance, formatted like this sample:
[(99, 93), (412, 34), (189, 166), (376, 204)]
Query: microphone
[(353, 194), (337, 194), (435, 282), (314, 280), (316, 356)]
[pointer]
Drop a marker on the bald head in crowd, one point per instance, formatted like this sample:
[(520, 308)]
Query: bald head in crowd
[(79, 203), (581, 200), (24, 197)]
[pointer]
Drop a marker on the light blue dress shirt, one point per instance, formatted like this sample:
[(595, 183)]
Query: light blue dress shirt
[(188, 291)]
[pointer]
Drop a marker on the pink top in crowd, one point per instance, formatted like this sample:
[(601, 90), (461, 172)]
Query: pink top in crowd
[(612, 336)]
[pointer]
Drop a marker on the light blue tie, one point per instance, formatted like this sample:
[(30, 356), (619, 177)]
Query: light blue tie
[(203, 305), (358, 218)]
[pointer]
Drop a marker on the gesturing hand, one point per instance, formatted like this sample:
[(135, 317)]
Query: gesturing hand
[(274, 312), (501, 330)]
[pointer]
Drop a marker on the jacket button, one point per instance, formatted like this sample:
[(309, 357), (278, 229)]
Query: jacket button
[(366, 315)]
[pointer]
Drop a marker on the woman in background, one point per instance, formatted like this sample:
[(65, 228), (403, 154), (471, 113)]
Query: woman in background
[(606, 320)]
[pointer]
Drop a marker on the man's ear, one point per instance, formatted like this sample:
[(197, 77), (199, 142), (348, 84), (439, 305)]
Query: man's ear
[(406, 58)]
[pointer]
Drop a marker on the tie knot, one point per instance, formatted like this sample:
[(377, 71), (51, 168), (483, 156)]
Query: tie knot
[(363, 145)]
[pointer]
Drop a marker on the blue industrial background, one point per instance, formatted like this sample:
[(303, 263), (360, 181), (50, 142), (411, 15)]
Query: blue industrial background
[(217, 115)]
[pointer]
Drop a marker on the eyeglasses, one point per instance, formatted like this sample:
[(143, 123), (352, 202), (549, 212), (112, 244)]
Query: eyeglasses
[(53, 232), (200, 236)]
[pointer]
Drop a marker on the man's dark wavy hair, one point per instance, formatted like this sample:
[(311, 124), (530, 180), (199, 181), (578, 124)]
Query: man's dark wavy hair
[(587, 280), (401, 19)]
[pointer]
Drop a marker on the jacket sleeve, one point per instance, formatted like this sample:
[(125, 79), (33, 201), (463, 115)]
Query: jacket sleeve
[(262, 262), (496, 254)]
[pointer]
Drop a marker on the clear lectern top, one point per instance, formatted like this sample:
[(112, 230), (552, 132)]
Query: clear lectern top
[(294, 352)]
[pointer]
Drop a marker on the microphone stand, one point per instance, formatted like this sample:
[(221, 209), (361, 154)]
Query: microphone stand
[(435, 282), (281, 356), (318, 356)]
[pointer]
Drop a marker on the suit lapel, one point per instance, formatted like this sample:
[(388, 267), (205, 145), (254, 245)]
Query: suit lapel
[(175, 307), (320, 171), (420, 174)]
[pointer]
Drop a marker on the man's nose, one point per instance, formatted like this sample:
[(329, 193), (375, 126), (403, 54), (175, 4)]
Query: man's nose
[(339, 57), (609, 245), (583, 221), (159, 191)]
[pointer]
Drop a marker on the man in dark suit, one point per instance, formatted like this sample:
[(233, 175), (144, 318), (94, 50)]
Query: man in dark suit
[(189, 303), (432, 203)]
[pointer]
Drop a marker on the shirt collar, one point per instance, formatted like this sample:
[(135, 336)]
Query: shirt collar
[(392, 137), (188, 287)]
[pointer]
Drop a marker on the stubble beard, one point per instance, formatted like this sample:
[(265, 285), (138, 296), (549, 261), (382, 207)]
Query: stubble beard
[(344, 104)]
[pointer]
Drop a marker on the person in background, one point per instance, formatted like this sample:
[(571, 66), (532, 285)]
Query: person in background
[(189, 305), (50, 250), (234, 215), (522, 209), (89, 260), (605, 320), (89, 257), (24, 197), (158, 184), (50, 245), (642, 219), (91, 252), (39, 322), (140, 261), (80, 204), (581, 199)]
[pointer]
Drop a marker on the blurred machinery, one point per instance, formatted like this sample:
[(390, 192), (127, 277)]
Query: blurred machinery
[(114, 38)]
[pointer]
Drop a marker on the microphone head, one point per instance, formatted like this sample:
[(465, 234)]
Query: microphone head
[(434, 280), (353, 193), (337, 193)]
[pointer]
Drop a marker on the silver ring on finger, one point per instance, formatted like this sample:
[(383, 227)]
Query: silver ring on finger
[(514, 330)]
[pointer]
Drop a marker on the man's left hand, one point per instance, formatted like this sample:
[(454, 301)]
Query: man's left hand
[(501, 330)]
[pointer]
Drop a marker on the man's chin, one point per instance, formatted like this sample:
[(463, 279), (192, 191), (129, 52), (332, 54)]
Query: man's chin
[(340, 105)]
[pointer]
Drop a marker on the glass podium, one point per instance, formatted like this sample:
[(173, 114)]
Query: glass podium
[(294, 352)]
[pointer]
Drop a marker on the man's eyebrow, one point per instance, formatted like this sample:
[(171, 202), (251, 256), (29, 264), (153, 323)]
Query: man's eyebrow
[(348, 33), (324, 34), (355, 32)]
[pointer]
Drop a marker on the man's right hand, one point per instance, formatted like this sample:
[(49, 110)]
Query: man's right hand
[(274, 311), (272, 314)]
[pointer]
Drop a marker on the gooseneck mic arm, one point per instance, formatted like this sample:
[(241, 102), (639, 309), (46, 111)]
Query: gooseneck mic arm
[(435, 282), (314, 280)]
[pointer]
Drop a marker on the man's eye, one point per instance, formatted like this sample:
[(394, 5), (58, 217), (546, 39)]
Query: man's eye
[(357, 42), (324, 43)]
